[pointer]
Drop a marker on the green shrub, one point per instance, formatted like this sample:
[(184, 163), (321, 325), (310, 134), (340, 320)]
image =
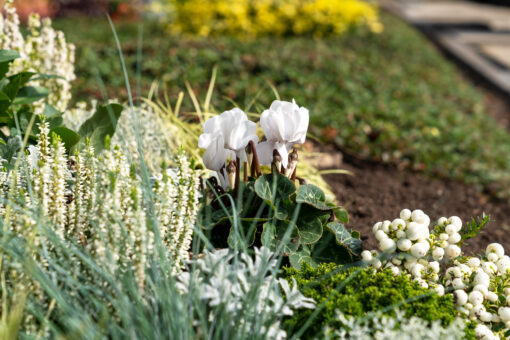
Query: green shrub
[(364, 292)]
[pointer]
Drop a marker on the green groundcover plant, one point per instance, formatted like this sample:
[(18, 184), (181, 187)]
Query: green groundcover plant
[(358, 292)]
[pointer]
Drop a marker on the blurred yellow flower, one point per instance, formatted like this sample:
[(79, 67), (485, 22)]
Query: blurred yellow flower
[(251, 18)]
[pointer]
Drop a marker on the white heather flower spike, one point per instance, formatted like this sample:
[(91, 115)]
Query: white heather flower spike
[(284, 124)]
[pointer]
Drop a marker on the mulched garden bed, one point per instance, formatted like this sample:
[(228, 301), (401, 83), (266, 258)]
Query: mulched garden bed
[(379, 191)]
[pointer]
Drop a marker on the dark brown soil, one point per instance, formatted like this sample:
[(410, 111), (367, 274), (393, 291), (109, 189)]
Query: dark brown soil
[(377, 192)]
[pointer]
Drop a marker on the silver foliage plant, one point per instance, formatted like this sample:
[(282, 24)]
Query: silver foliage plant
[(384, 327), (100, 203), (243, 290)]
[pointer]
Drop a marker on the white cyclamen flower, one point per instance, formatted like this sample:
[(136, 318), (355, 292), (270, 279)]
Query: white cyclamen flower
[(215, 157), (236, 129), (285, 124)]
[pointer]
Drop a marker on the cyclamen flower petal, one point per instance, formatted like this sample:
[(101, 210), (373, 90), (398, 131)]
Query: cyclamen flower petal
[(236, 129), (285, 124)]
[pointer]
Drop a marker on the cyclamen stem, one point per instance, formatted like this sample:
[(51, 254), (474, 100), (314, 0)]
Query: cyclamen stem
[(245, 171), (238, 175), (255, 168), (293, 178)]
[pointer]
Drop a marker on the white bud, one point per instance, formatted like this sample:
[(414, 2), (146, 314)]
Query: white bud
[(423, 284), (386, 226), (492, 257), (418, 216), (474, 262), (458, 283), (437, 254), (460, 297), (376, 227), (434, 266), (380, 235), (482, 289), (401, 234), (504, 313), (475, 297), (483, 332), (444, 236), (489, 267), (450, 229), (420, 249), (454, 238), (456, 272), (495, 248), (439, 290), (442, 221), (376, 264), (398, 223), (413, 231), (417, 270), (492, 297), (481, 278), (404, 244), (395, 270), (452, 251), (366, 255), (388, 245), (495, 318), (486, 316), (507, 300), (477, 310), (396, 262), (456, 221), (405, 214)]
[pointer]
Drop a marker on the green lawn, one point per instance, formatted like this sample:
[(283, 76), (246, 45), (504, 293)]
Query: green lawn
[(389, 96)]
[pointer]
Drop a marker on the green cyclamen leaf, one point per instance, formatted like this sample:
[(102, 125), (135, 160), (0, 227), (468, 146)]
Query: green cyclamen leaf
[(303, 254), (273, 234), (312, 195), (344, 238), (310, 229)]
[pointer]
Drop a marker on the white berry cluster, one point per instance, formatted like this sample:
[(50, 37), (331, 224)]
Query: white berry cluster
[(432, 257), (481, 288), (411, 247)]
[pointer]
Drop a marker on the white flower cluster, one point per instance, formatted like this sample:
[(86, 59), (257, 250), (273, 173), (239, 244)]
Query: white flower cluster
[(231, 136), (480, 286), (43, 51), (244, 290), (384, 327), (101, 203)]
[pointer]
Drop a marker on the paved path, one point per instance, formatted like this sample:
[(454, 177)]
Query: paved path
[(477, 34)]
